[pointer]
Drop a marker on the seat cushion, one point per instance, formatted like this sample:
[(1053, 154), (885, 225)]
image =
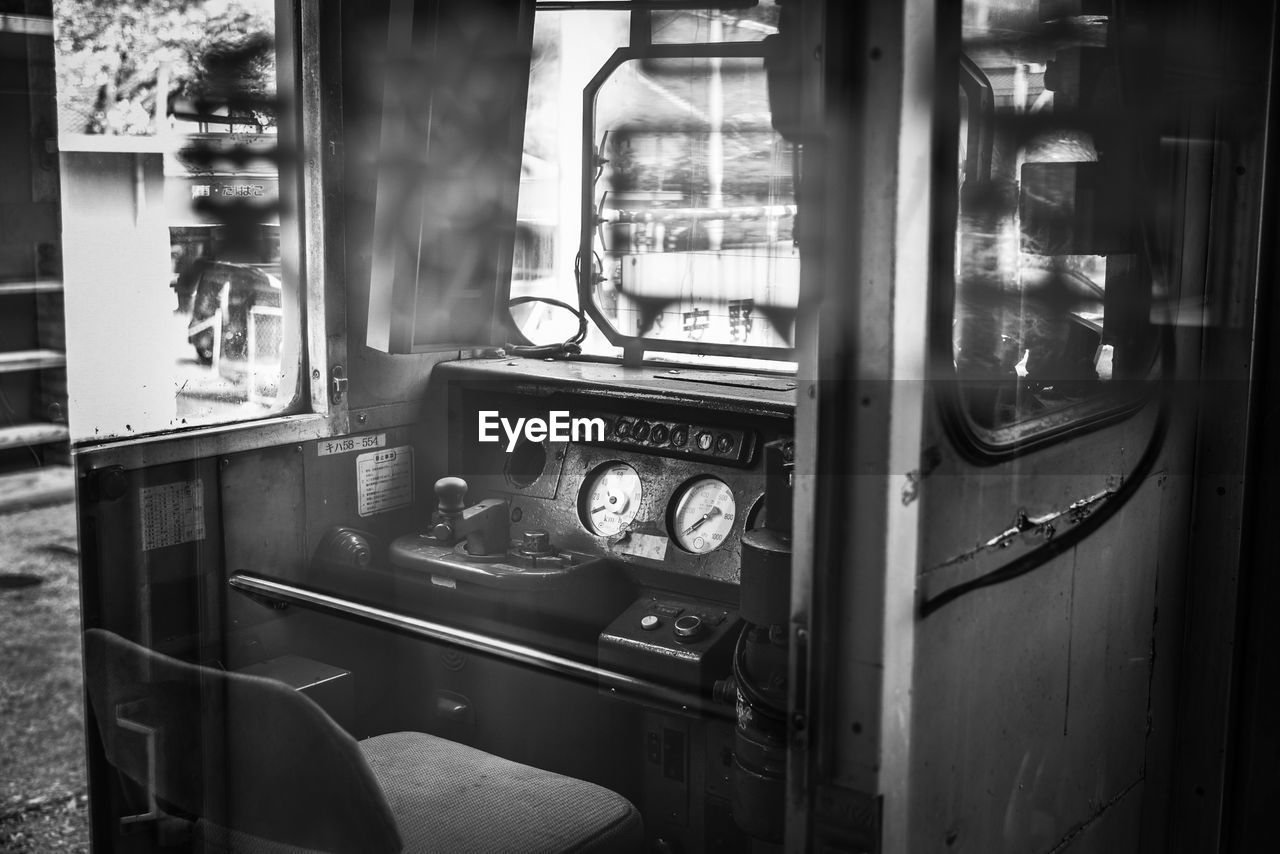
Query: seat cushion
[(448, 797)]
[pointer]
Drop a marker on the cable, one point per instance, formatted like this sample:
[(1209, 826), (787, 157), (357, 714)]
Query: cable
[(569, 347)]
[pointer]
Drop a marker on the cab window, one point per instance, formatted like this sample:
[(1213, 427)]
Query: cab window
[(686, 189)]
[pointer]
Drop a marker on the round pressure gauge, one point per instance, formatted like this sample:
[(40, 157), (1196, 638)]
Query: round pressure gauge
[(703, 515), (610, 499)]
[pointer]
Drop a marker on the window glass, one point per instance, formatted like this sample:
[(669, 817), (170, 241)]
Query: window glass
[(695, 204), (568, 49), (730, 25), (181, 309), (691, 191), (1052, 300)]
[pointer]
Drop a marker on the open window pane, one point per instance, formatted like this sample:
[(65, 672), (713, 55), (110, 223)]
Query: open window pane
[(181, 308)]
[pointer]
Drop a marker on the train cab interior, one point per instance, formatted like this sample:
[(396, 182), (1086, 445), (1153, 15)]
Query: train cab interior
[(708, 427)]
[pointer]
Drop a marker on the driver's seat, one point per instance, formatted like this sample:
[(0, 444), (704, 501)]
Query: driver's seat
[(260, 767)]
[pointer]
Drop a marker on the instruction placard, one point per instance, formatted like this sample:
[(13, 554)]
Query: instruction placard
[(172, 513), (384, 480)]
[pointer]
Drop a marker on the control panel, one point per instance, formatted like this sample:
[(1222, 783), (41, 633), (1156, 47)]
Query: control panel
[(673, 641)]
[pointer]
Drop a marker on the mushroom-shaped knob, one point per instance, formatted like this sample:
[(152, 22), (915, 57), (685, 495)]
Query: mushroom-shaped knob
[(451, 495)]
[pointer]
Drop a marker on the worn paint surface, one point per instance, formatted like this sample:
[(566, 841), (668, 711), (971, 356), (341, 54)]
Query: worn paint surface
[(1033, 696)]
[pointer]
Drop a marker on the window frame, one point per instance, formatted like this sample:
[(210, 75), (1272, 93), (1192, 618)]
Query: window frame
[(1120, 400), (311, 253), (586, 239)]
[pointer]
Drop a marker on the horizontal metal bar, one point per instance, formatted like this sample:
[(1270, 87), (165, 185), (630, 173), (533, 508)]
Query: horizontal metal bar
[(517, 653), (640, 5), (26, 435), (31, 360), (41, 286), (26, 25)]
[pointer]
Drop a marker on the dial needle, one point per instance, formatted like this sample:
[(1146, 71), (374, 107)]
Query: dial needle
[(595, 510), (710, 514)]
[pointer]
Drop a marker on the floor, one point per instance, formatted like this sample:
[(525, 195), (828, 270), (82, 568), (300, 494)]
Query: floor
[(42, 780)]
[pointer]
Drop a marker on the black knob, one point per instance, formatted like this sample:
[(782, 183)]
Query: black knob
[(451, 495), (640, 432), (659, 434)]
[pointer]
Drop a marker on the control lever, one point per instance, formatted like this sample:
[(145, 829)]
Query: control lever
[(484, 526)]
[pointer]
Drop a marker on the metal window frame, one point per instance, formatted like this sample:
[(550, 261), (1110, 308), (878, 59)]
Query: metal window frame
[(586, 241)]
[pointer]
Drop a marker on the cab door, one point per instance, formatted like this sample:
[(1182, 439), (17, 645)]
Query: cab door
[(990, 626), (190, 468)]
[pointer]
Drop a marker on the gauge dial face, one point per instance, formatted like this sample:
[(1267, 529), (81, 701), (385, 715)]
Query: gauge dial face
[(703, 515), (610, 499)]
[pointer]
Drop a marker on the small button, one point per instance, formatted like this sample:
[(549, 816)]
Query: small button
[(688, 627), (679, 435), (704, 440), (724, 443), (659, 434), (622, 429), (649, 622), (640, 432)]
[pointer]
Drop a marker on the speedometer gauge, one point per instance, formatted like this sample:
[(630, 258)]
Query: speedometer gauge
[(703, 515), (610, 499)]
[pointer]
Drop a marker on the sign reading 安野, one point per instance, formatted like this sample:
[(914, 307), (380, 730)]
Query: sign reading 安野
[(384, 480)]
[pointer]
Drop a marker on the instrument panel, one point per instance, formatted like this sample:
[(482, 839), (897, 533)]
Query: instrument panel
[(666, 491), (646, 510), (656, 514), (700, 514)]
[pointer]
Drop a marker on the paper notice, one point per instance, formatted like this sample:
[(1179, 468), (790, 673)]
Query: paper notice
[(384, 480)]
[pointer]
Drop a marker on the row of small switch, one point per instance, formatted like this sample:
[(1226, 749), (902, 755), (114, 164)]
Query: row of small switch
[(677, 436)]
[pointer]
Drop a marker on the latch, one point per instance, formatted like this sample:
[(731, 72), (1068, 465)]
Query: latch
[(337, 384)]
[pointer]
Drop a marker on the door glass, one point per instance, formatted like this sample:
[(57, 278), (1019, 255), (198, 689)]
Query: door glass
[(1053, 292), (181, 307)]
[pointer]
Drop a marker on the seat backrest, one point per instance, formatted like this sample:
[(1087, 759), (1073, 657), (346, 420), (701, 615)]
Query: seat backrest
[(243, 752)]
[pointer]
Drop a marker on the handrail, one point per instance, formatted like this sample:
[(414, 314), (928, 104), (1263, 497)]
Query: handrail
[(518, 653)]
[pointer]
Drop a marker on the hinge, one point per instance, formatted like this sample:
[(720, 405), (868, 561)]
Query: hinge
[(337, 384)]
